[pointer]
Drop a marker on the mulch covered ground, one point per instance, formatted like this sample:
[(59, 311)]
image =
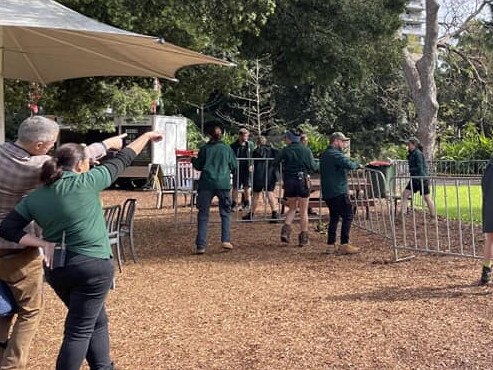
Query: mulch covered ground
[(268, 306)]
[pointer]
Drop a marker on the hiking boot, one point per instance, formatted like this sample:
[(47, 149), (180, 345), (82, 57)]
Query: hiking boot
[(199, 250), (347, 249), (285, 233), (331, 249), (227, 245), (303, 240), (485, 276), (248, 217), (274, 217)]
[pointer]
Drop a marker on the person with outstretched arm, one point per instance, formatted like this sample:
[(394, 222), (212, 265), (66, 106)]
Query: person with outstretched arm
[(71, 192), (21, 267)]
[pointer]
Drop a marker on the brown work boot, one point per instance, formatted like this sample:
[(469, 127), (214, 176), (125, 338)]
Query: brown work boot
[(303, 240), (285, 233), (347, 249)]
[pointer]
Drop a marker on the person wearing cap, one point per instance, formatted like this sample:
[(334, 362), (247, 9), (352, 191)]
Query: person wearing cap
[(334, 166), (418, 172), (297, 165), (243, 150)]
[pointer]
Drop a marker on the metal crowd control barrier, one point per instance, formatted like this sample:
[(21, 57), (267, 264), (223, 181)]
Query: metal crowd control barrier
[(371, 201), (263, 212), (463, 168), (454, 230), (186, 183)]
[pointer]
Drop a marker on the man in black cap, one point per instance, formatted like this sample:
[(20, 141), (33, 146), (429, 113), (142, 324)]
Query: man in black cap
[(334, 166)]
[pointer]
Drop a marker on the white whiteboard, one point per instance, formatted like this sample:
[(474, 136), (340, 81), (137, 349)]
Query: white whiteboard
[(175, 137)]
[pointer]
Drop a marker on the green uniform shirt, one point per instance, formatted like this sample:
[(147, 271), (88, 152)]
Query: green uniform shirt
[(334, 166), (216, 161), (296, 158), (72, 205), (417, 163)]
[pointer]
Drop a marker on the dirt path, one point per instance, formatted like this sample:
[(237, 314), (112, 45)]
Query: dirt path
[(265, 306)]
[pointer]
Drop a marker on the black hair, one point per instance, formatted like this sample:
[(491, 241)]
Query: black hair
[(64, 159), (215, 132)]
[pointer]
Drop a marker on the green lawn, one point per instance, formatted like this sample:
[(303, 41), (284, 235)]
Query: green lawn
[(454, 200)]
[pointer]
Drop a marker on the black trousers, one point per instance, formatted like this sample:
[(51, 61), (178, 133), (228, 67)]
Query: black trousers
[(339, 207), (83, 285)]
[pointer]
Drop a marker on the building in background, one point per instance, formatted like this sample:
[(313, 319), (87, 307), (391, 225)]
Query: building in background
[(413, 29)]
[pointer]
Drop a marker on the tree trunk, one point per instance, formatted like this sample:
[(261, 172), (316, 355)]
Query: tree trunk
[(420, 77)]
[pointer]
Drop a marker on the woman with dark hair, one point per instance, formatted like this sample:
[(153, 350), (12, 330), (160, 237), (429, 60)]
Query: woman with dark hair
[(84, 277), (419, 181), (297, 165), (216, 161)]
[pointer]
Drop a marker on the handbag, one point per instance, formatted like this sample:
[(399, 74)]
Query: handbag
[(8, 306)]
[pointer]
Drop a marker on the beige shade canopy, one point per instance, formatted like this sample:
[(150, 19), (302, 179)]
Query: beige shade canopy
[(44, 41)]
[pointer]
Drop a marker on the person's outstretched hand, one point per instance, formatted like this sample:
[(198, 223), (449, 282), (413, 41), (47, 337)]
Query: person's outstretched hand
[(115, 142), (155, 136)]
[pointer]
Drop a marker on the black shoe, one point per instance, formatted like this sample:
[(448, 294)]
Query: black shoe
[(199, 250), (485, 276), (248, 217), (274, 218)]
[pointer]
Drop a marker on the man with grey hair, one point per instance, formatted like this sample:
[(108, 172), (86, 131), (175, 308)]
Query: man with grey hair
[(22, 268)]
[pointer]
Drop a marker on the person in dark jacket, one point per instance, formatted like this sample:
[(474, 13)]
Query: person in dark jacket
[(216, 161), (297, 165), (264, 176), (418, 172), (334, 166), (82, 279), (243, 150), (487, 209)]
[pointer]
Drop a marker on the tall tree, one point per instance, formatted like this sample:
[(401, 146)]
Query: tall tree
[(254, 107), (420, 73)]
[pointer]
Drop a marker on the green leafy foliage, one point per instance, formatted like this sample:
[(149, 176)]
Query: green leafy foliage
[(472, 146)]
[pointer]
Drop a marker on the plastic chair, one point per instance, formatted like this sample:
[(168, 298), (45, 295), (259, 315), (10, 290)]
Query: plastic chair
[(112, 219), (127, 225)]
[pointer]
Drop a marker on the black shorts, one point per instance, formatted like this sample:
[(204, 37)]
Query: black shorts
[(296, 188), (260, 186), (241, 179), (419, 185)]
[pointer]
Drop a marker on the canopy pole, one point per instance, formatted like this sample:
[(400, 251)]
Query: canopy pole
[(2, 98)]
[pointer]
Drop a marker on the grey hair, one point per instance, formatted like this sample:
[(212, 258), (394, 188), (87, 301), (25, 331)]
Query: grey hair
[(37, 128)]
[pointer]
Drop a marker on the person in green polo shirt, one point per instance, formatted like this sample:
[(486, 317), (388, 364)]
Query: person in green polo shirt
[(334, 166), (297, 165), (216, 161), (68, 209)]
